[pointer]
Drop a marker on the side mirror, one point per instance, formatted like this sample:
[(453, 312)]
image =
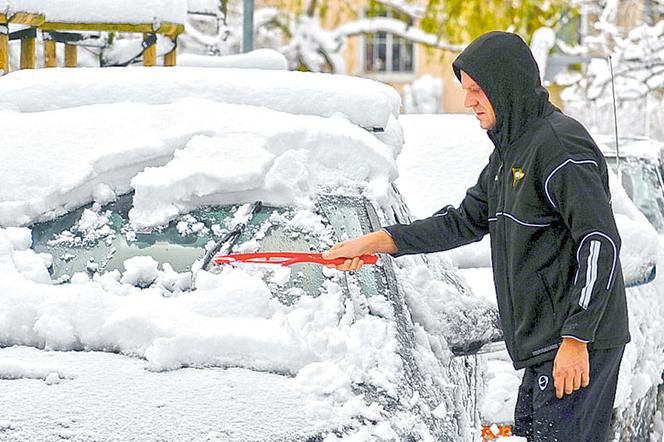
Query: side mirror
[(646, 276), (467, 338)]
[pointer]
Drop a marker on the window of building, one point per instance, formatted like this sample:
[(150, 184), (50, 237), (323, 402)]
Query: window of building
[(385, 52)]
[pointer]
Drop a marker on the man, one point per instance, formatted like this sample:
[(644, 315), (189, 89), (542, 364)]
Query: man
[(544, 200)]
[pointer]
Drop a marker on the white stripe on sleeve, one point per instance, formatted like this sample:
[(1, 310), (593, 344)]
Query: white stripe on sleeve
[(591, 274)]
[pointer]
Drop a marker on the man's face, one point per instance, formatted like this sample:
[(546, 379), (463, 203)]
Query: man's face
[(478, 101)]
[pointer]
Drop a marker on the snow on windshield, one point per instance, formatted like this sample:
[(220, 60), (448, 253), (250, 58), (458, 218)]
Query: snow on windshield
[(101, 11), (232, 319)]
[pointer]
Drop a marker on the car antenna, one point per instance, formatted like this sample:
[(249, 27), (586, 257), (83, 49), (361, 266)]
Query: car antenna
[(615, 120)]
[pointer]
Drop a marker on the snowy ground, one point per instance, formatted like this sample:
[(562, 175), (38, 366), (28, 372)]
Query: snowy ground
[(441, 158), (203, 405)]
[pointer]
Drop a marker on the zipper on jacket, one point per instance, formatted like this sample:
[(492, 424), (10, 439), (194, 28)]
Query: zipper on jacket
[(500, 169), (502, 192)]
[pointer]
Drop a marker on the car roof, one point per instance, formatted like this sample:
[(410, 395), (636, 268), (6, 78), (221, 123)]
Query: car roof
[(630, 146)]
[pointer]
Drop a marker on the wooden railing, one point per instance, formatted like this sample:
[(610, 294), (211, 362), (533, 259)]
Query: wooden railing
[(39, 22)]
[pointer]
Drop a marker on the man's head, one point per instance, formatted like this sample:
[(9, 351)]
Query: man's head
[(502, 84), (477, 100)]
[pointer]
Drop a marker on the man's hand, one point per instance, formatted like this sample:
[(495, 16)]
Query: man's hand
[(571, 368), (376, 242)]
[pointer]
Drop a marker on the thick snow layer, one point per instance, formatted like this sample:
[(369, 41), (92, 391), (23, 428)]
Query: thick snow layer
[(276, 156), (315, 349), (258, 59), (366, 103), (640, 147), (102, 11)]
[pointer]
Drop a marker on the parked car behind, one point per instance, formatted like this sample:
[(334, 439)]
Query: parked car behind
[(641, 173)]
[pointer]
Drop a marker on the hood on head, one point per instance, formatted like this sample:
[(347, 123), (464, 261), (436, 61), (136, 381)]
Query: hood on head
[(503, 66)]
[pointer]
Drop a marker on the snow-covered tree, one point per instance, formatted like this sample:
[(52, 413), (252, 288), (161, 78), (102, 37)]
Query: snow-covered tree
[(632, 34), (423, 96)]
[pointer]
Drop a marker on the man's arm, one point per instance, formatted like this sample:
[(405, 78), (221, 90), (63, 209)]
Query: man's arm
[(446, 229), (574, 188)]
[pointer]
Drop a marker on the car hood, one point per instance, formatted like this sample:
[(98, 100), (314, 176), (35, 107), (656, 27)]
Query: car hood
[(190, 404)]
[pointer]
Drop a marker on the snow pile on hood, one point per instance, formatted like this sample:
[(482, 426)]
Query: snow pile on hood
[(17, 369), (221, 153), (258, 59), (366, 103), (101, 11)]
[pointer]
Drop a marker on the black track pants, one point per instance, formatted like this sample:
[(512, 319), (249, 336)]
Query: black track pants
[(583, 416)]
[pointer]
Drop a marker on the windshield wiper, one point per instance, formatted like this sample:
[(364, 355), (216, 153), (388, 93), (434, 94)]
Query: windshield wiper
[(231, 237)]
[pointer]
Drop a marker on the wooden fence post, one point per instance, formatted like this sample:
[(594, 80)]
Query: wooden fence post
[(150, 54), (50, 60), (28, 53), (71, 56), (170, 59), (4, 45)]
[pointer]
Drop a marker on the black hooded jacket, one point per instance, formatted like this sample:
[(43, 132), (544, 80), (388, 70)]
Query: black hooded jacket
[(544, 199)]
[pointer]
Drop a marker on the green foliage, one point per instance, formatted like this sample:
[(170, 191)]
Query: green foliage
[(460, 21), (377, 9), (223, 8)]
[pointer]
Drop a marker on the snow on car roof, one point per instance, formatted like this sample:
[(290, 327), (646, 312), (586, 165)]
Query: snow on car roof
[(641, 147), (258, 59), (78, 152), (284, 165), (228, 153), (364, 102), (101, 11)]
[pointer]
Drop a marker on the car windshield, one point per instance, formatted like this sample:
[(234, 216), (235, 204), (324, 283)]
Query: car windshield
[(643, 185), (99, 239)]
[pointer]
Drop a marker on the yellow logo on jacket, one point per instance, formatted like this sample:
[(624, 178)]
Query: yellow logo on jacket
[(518, 175)]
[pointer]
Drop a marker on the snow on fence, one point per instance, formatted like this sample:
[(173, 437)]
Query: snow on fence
[(56, 19)]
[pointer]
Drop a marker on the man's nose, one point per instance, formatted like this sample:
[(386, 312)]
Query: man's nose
[(469, 101)]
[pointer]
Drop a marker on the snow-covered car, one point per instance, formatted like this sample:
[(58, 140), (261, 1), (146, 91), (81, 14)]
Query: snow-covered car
[(641, 173), (442, 157), (116, 325)]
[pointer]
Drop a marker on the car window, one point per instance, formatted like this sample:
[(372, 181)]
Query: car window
[(100, 239), (641, 181), (349, 218), (282, 229), (96, 239)]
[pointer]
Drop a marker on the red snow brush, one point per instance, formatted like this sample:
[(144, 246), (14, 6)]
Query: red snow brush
[(286, 258)]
